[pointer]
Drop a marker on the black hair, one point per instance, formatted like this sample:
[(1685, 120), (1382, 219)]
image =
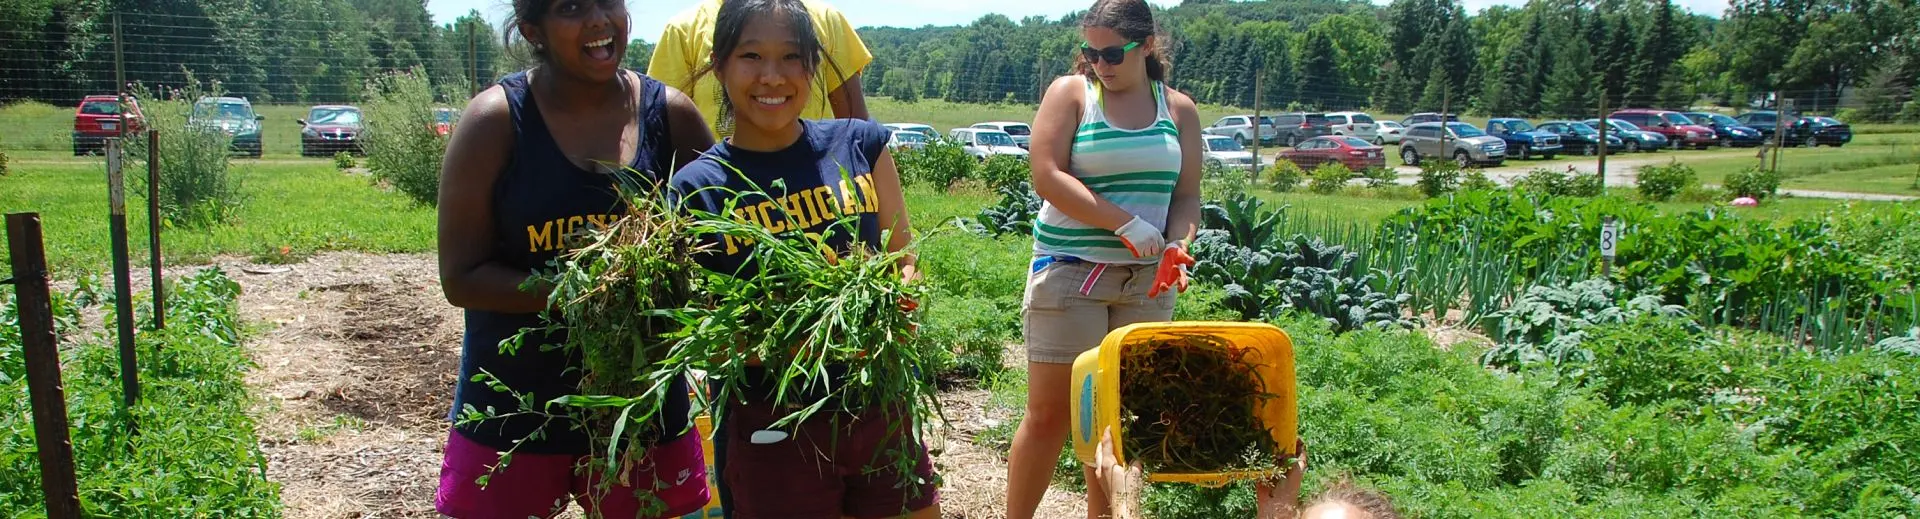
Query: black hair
[(730, 24), (526, 12), (1133, 19)]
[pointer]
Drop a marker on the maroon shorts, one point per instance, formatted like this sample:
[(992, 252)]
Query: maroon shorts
[(836, 464), (540, 485)]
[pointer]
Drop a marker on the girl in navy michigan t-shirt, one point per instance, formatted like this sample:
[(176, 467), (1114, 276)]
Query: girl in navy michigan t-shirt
[(813, 175)]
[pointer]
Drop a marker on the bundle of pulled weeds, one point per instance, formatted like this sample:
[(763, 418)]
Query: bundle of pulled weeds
[(613, 294), (1188, 405), (827, 327)]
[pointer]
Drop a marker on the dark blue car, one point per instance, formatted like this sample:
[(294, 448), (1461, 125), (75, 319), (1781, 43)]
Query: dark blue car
[(1580, 138), (1523, 140), (1727, 131)]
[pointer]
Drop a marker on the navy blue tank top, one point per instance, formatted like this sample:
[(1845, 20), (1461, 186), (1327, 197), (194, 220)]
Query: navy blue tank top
[(538, 200)]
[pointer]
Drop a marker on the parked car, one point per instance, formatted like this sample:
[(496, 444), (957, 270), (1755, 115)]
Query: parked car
[(1726, 131), (1427, 117), (444, 120), (1353, 152), (1466, 145), (1678, 129), (1764, 120), (1297, 127), (1022, 134), (1817, 131), (1579, 138), (1223, 151), (98, 118), (234, 116), (1240, 129), (914, 127), (1357, 124), (983, 143), (1523, 140), (1636, 139), (330, 129), (907, 140), (1388, 132)]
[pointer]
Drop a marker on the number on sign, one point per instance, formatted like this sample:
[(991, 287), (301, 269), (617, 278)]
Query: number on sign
[(1609, 238)]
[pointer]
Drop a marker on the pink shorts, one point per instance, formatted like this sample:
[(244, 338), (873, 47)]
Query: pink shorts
[(539, 485)]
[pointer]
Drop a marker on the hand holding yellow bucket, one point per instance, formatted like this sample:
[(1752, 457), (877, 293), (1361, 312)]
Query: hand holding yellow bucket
[(1095, 395)]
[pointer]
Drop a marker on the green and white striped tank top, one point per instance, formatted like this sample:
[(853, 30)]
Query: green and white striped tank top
[(1134, 169)]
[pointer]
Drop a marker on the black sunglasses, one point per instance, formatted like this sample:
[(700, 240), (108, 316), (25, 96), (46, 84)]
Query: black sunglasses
[(1114, 55)]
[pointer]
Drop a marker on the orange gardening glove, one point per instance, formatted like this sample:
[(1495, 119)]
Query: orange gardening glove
[(1173, 270)]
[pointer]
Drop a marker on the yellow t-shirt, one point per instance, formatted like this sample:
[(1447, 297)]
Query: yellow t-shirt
[(687, 44)]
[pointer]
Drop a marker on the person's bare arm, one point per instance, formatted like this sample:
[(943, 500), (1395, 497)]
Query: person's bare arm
[(480, 149), (1183, 215), (893, 211), (1053, 129), (849, 102), (689, 131)]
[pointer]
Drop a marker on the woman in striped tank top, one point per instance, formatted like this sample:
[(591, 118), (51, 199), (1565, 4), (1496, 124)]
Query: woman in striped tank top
[(1116, 156)]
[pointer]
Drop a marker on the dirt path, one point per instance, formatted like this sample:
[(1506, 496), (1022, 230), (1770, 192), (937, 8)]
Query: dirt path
[(356, 359)]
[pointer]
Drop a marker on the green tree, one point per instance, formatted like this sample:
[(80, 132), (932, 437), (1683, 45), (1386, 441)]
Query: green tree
[(1318, 80)]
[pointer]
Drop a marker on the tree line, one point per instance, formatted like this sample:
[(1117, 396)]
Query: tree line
[(280, 51), (1544, 58)]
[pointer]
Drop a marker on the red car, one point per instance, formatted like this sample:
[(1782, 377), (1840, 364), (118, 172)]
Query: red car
[(1679, 130), (98, 118), (1353, 152), (444, 120)]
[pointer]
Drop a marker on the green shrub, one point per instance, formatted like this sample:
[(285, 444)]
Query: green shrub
[(1560, 183), (196, 454), (3, 163), (1329, 178), (1660, 183), (1283, 176), (940, 164), (197, 186), (1698, 194), (1477, 180), (403, 150), (1439, 177), (1220, 181), (1379, 177), (343, 160), (1001, 171), (1752, 182)]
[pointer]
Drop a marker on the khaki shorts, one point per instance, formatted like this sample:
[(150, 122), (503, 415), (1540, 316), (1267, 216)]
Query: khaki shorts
[(1066, 315)]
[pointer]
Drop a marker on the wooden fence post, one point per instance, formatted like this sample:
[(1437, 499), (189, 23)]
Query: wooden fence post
[(153, 229)]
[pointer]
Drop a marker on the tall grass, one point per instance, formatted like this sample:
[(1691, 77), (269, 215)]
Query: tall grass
[(36, 126), (197, 186)]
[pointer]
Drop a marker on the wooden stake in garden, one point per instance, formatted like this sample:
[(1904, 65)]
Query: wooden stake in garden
[(153, 229), (122, 282), (44, 390), (1256, 117)]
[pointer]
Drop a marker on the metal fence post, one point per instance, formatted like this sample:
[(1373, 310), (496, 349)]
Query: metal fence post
[(49, 401), (122, 282), (153, 229)]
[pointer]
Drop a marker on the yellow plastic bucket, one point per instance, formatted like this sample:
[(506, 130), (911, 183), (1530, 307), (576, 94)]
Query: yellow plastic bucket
[(1095, 396)]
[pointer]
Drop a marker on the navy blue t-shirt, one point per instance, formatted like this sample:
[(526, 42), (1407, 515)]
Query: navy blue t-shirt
[(824, 177)]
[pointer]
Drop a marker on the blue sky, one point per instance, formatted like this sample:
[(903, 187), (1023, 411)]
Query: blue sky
[(650, 15)]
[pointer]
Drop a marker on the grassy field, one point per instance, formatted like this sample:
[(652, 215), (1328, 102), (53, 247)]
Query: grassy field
[(1880, 164), (39, 127), (296, 209), (291, 211)]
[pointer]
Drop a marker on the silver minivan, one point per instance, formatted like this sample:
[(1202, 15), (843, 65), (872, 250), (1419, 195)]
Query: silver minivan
[(1354, 124), (1466, 145)]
